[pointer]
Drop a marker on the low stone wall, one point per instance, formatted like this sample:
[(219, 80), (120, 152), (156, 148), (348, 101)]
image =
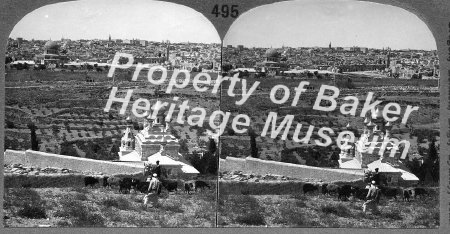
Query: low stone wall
[(263, 167), (260, 188), (14, 156), (232, 164), (41, 159)]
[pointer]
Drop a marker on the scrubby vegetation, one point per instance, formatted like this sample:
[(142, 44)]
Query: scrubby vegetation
[(100, 207), (324, 211)]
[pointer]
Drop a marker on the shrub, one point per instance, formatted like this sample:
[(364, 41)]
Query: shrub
[(78, 214), (142, 222), (428, 220), (175, 207), (112, 214), (247, 210), (91, 220), (339, 210), (298, 196), (63, 223), (394, 214), (27, 201), (80, 196), (291, 215), (32, 212), (71, 208), (22, 196), (119, 203), (251, 218)]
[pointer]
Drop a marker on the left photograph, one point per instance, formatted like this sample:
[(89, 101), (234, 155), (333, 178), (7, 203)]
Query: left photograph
[(112, 116)]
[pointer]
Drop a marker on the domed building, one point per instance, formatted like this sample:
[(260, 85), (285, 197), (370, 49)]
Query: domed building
[(155, 143), (51, 56), (51, 47), (374, 150), (272, 55), (272, 64)]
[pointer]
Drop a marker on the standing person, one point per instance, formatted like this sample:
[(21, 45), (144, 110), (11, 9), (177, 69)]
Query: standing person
[(154, 189), (371, 199), (157, 169)]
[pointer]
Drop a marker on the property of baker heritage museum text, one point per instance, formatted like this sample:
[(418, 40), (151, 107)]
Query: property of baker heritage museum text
[(317, 125)]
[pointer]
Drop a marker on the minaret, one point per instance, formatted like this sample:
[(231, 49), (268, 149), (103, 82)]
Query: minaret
[(388, 62), (329, 46), (167, 51), (109, 39)]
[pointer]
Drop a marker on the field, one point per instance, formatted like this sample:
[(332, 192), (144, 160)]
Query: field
[(68, 111), (421, 93), (103, 207), (324, 211)]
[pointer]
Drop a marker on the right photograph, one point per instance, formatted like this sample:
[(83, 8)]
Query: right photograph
[(335, 109)]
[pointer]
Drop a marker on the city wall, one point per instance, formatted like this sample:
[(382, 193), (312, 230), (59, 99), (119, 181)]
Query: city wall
[(41, 159), (263, 167)]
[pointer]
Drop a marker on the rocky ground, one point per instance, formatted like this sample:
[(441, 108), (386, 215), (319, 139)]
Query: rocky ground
[(30, 170), (250, 177)]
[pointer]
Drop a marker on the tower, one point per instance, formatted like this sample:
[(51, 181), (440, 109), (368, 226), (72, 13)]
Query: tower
[(127, 141), (378, 120), (329, 46), (388, 59), (109, 39), (167, 51)]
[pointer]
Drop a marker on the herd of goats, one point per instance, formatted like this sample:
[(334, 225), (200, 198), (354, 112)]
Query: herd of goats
[(125, 184)]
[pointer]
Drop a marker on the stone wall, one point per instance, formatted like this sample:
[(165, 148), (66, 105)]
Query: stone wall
[(41, 159), (263, 167), (14, 156), (232, 164)]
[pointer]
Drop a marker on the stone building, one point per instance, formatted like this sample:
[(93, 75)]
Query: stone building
[(51, 55), (365, 154), (155, 143)]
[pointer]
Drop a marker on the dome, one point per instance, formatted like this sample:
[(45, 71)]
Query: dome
[(271, 53), (51, 45)]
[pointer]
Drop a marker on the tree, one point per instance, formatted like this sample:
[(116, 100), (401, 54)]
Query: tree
[(430, 167), (414, 166), (114, 151), (9, 124), (34, 141), (183, 146), (433, 157), (68, 149), (211, 158), (55, 129), (196, 161), (253, 147), (212, 146), (227, 67), (334, 156), (288, 157), (230, 132)]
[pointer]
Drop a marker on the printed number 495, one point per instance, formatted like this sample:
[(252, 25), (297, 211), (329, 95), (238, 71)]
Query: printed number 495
[(225, 11)]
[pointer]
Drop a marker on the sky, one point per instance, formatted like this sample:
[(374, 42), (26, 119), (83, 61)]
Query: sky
[(97, 19), (344, 23)]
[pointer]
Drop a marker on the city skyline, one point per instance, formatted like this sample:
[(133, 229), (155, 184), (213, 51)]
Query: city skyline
[(146, 20), (307, 23)]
